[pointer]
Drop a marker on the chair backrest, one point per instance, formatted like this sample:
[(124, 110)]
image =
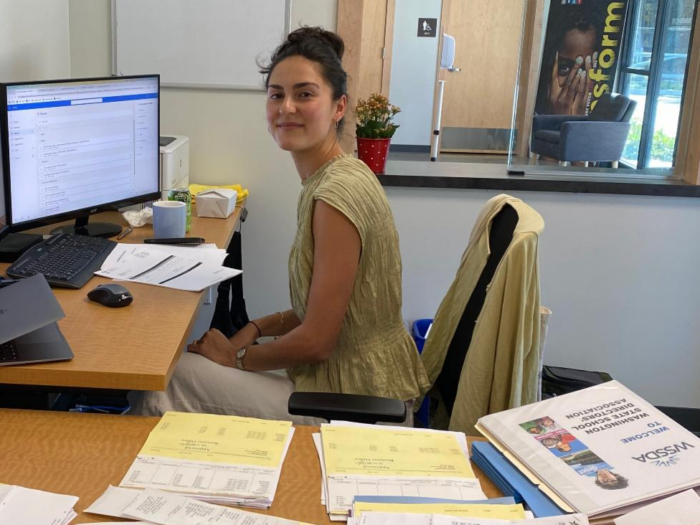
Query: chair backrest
[(230, 313), (613, 108), (501, 233)]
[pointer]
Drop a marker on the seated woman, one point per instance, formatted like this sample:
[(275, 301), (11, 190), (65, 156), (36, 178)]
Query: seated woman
[(344, 332)]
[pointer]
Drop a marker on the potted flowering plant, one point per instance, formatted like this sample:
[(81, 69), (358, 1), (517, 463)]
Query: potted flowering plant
[(374, 130)]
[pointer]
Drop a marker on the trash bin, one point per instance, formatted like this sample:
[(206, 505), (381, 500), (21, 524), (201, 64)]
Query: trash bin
[(418, 331)]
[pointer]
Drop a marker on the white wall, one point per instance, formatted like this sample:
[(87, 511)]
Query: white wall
[(90, 38), (413, 71), (34, 41), (619, 272), (33, 44)]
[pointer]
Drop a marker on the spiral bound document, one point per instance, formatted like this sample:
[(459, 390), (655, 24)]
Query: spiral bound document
[(601, 451)]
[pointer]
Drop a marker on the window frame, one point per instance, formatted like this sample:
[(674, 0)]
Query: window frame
[(654, 74), (687, 164)]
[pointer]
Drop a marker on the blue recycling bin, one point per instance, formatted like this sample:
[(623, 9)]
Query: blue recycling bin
[(418, 330)]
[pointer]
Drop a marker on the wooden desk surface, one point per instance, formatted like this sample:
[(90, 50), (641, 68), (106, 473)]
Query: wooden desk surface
[(132, 348), (82, 454)]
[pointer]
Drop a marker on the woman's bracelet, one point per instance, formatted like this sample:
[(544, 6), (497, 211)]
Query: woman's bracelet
[(257, 328), (281, 318)]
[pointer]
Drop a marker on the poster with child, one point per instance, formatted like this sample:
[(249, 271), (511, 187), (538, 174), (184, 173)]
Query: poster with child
[(580, 55)]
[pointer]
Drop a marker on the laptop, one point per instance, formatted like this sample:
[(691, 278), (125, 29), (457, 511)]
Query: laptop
[(29, 331)]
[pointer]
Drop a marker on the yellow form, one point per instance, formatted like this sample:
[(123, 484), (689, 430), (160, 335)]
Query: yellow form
[(370, 451), (221, 439), (472, 510)]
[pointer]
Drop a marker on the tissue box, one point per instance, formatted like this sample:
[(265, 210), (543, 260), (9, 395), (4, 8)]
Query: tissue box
[(217, 202)]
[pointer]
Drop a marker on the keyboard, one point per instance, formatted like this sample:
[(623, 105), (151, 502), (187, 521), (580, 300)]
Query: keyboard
[(8, 352), (66, 260)]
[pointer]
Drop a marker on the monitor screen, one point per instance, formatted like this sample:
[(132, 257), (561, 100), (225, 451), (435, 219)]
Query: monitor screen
[(77, 146)]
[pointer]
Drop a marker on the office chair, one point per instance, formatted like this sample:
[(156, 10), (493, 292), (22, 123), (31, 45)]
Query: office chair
[(500, 236), (484, 350), (347, 407), (230, 312)]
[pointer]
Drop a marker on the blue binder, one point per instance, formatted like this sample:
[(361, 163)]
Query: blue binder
[(511, 481)]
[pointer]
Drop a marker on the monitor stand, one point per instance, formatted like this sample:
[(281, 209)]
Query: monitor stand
[(94, 229)]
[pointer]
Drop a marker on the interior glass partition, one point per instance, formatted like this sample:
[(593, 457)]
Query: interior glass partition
[(650, 41)]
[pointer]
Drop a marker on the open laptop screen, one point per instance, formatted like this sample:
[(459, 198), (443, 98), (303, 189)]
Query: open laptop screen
[(26, 306)]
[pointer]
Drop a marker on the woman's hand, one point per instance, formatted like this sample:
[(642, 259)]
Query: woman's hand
[(561, 97), (585, 85), (216, 347)]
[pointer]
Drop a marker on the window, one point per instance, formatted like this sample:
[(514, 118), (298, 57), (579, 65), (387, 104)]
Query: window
[(658, 37)]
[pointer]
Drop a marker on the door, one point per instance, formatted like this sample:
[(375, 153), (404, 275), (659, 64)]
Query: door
[(477, 110)]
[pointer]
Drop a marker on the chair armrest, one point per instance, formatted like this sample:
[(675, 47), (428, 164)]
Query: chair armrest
[(347, 407), (593, 141), (553, 122)]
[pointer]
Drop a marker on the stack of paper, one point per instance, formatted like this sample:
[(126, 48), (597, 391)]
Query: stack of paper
[(451, 507), (224, 459), (602, 451), (381, 460), (183, 268), (491, 509), (381, 518), (160, 508), (22, 506)]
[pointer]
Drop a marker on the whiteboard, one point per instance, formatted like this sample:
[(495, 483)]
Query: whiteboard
[(198, 43)]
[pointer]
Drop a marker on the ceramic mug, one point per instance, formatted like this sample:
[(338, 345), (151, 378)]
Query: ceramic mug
[(169, 218)]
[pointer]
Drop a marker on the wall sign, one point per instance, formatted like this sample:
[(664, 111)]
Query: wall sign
[(427, 27)]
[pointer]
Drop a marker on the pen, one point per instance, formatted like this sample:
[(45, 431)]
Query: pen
[(124, 233)]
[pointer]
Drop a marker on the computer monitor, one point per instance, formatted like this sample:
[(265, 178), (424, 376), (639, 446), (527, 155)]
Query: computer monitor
[(77, 147), (4, 227)]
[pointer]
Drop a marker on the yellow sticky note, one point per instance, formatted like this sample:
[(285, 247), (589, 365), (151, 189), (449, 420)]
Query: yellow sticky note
[(218, 439), (472, 510), (369, 451)]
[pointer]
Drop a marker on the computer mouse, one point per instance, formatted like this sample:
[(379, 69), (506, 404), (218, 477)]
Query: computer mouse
[(112, 295)]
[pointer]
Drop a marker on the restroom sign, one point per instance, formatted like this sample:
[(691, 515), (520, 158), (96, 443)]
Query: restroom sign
[(427, 27)]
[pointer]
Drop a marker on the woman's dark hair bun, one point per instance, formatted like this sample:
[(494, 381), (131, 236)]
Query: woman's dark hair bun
[(304, 34)]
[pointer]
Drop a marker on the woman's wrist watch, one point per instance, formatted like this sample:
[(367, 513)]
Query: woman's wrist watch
[(240, 355)]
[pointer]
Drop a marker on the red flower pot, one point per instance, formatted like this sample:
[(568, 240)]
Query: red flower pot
[(373, 152)]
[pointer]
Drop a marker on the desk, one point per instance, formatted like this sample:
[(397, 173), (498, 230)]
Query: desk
[(82, 454), (132, 348)]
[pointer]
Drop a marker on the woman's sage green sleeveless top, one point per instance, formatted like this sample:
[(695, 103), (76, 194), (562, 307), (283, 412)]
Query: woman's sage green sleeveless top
[(375, 354)]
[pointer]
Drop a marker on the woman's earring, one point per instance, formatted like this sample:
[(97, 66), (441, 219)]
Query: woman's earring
[(336, 124)]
